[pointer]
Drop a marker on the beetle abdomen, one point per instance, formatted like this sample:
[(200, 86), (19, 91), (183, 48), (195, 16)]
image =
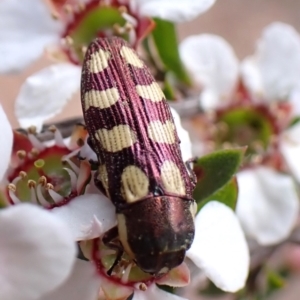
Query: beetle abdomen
[(131, 126)]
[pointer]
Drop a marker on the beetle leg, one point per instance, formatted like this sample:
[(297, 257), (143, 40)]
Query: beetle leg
[(189, 166), (111, 240)]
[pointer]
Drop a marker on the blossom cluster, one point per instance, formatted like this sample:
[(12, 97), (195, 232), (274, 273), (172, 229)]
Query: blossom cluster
[(53, 217)]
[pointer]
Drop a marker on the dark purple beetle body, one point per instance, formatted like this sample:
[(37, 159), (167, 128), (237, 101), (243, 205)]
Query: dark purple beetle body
[(140, 165)]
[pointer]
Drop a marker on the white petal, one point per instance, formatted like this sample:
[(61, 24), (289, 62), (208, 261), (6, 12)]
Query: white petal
[(37, 252), (87, 216), (295, 100), (219, 247), (252, 77), (186, 144), (174, 11), (213, 64), (82, 284), (6, 142), (25, 29), (278, 60), (267, 204), (45, 93), (290, 148), (154, 293)]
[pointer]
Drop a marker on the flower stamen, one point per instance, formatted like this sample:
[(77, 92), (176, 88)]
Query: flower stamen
[(66, 159), (32, 186), (59, 141), (55, 196), (125, 276), (73, 178), (11, 192)]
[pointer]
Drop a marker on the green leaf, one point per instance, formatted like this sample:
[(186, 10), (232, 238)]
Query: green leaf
[(274, 281), (227, 195), (214, 170), (168, 89), (96, 20), (165, 40)]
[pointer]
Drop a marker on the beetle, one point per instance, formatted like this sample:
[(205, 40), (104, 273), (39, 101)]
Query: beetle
[(140, 169)]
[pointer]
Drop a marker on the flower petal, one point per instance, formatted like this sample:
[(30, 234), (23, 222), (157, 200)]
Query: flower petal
[(88, 216), (266, 213), (25, 29), (174, 11), (219, 247), (44, 94), (177, 277), (213, 64), (83, 283), (6, 142), (37, 252), (115, 291), (186, 144), (290, 149), (277, 59), (251, 77), (153, 292)]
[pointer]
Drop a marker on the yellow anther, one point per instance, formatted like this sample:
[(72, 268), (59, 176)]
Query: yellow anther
[(143, 287), (31, 183), (123, 9), (52, 128), (128, 27), (21, 154), (31, 130), (54, 15), (22, 174), (68, 9), (69, 40), (34, 152), (49, 186), (81, 6), (42, 180), (117, 28), (11, 187)]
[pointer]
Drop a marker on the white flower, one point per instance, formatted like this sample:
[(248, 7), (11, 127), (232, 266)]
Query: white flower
[(214, 67), (270, 76), (220, 248), (83, 283), (174, 11), (273, 72), (268, 204), (44, 94), (27, 29), (37, 251)]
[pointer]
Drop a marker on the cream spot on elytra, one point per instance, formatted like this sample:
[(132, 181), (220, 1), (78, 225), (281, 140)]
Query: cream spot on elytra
[(101, 99), (151, 92), (162, 132), (98, 61), (171, 178), (134, 184), (131, 57), (117, 138)]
